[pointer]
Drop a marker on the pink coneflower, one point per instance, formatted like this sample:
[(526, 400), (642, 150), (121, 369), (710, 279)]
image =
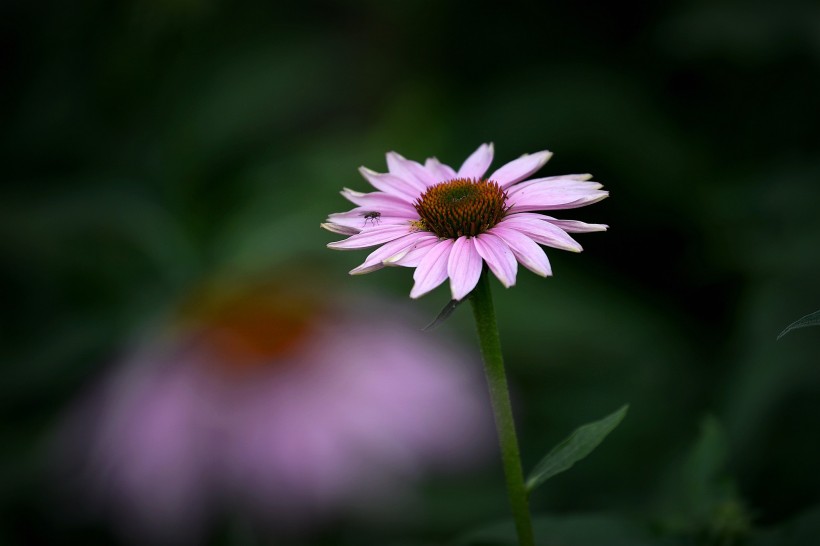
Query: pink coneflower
[(270, 404), (448, 223)]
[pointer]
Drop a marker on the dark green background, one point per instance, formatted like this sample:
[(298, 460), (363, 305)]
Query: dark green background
[(147, 146)]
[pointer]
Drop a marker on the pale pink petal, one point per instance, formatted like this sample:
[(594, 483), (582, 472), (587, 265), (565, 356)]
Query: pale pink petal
[(432, 270), (372, 216), (563, 180), (377, 200), (364, 219), (570, 226), (575, 176), (544, 186), (574, 226), (553, 199), (371, 237), (341, 230), (541, 231), (408, 169), (477, 164), (498, 256), (519, 169), (381, 214), (464, 267), (415, 254), (439, 170), (525, 250), (408, 190), (361, 217), (393, 250)]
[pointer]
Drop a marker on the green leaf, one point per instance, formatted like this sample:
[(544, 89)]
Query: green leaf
[(445, 314), (575, 447), (812, 319)]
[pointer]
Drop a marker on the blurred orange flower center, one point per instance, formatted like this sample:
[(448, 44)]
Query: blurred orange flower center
[(250, 331)]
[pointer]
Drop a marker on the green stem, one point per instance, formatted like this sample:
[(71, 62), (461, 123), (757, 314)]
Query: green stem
[(482, 302)]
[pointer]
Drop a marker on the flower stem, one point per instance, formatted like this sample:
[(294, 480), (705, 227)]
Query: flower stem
[(482, 302)]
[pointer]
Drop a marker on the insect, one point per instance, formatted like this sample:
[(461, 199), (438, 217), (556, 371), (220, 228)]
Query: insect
[(373, 216)]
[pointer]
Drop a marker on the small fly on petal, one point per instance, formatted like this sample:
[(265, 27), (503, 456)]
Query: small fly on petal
[(373, 216)]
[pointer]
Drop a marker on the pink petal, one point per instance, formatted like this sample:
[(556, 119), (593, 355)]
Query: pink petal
[(361, 219), (498, 256), (432, 270), (525, 250), (567, 201), (340, 229), (394, 249), (519, 169), (440, 171), (414, 255), (477, 164), (371, 237), (408, 169), (555, 194), (541, 231), (555, 181), (574, 226), (377, 200), (463, 267), (407, 190), (552, 184)]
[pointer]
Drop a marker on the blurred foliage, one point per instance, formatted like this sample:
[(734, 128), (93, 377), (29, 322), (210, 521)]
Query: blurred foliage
[(149, 145), (567, 531), (700, 500)]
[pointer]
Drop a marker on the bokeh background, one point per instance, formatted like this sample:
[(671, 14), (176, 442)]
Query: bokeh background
[(148, 146)]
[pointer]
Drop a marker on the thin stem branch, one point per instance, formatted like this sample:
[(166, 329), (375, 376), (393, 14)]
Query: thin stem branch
[(482, 302)]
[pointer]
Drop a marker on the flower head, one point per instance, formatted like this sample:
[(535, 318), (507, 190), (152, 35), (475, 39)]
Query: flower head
[(265, 402), (448, 223)]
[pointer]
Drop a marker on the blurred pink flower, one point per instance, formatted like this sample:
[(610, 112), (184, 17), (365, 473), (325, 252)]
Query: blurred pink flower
[(270, 405), (448, 224)]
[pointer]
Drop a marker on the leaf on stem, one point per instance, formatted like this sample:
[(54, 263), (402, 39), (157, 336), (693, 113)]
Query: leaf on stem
[(575, 447), (444, 315), (812, 319)]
